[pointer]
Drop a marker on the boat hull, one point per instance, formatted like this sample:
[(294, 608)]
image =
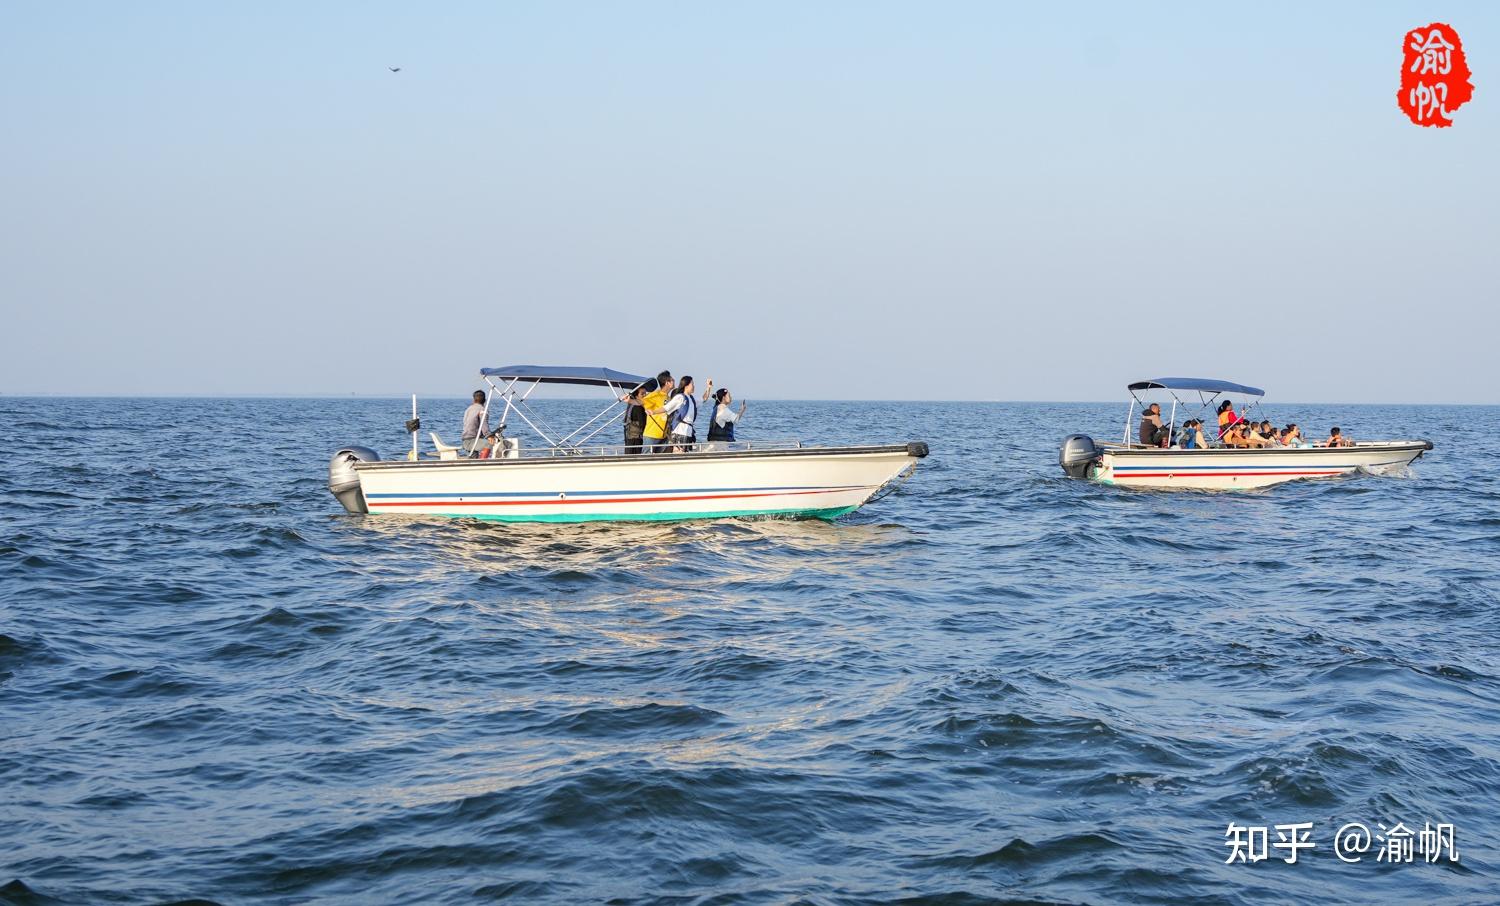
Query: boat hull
[(811, 482), (1228, 469)]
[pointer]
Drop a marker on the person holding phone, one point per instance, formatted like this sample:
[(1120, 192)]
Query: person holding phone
[(724, 418)]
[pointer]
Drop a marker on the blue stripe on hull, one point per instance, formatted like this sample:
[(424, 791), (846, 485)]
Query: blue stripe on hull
[(1173, 467)]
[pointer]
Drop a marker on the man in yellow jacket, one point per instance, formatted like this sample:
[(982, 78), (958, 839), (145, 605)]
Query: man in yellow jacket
[(655, 433)]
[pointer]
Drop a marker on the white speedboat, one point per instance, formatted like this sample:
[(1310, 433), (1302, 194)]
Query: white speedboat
[(567, 479), (1216, 467)]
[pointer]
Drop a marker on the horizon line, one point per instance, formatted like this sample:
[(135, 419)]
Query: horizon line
[(445, 396)]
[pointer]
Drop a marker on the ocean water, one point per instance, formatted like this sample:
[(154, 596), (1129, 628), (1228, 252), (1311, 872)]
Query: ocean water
[(995, 685)]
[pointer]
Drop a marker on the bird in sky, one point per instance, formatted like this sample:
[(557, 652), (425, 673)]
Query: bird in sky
[(394, 68)]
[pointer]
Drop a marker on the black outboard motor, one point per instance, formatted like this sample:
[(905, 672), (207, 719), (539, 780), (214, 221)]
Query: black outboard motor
[(1078, 455), (343, 481)]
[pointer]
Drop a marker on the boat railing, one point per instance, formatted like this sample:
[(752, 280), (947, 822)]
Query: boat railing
[(718, 446)]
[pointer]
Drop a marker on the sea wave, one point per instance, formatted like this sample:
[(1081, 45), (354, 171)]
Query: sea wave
[(995, 685)]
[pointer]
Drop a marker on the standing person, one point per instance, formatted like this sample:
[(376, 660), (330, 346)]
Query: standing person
[(721, 424), (476, 425), (682, 413), (635, 416), (1227, 417), (654, 434)]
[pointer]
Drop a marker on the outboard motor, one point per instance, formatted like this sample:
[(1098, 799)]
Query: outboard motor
[(1078, 455), (343, 481)]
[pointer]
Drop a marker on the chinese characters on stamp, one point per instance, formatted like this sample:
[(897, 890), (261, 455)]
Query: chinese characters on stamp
[(1434, 75)]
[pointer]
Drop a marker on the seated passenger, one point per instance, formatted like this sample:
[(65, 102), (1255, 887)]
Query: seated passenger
[(1267, 433), (1152, 431), (476, 428), (1250, 436), (1185, 435), (1192, 435), (1236, 436), (1337, 439), (1291, 436)]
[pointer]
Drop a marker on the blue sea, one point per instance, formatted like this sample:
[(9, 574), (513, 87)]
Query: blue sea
[(995, 685)]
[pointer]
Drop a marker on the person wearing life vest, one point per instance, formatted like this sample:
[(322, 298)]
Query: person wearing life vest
[(682, 414), (635, 417), (654, 434), (1227, 417), (721, 425)]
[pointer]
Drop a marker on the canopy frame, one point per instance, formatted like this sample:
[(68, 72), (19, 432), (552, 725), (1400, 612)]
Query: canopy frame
[(531, 377), (565, 374), (1209, 391), (1207, 385)]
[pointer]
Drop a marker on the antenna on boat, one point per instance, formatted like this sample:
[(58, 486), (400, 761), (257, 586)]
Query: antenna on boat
[(413, 425)]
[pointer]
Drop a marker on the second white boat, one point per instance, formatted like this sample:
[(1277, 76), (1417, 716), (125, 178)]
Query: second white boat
[(1217, 467)]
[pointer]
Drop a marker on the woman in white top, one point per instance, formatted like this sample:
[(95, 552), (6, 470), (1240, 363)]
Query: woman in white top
[(682, 412), (721, 426)]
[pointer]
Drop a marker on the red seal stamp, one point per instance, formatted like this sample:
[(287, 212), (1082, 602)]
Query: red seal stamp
[(1434, 75)]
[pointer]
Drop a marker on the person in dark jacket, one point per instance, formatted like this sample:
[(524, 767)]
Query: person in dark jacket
[(1153, 432), (635, 415)]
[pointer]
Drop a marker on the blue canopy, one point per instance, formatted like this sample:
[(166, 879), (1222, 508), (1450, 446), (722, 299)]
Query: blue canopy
[(1206, 385), (564, 374)]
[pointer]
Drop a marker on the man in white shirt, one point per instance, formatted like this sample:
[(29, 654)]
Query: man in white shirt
[(476, 424)]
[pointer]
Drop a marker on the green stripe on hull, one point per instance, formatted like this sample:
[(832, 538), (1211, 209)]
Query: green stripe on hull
[(827, 513)]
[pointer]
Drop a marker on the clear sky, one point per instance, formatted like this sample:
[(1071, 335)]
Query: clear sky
[(802, 199)]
